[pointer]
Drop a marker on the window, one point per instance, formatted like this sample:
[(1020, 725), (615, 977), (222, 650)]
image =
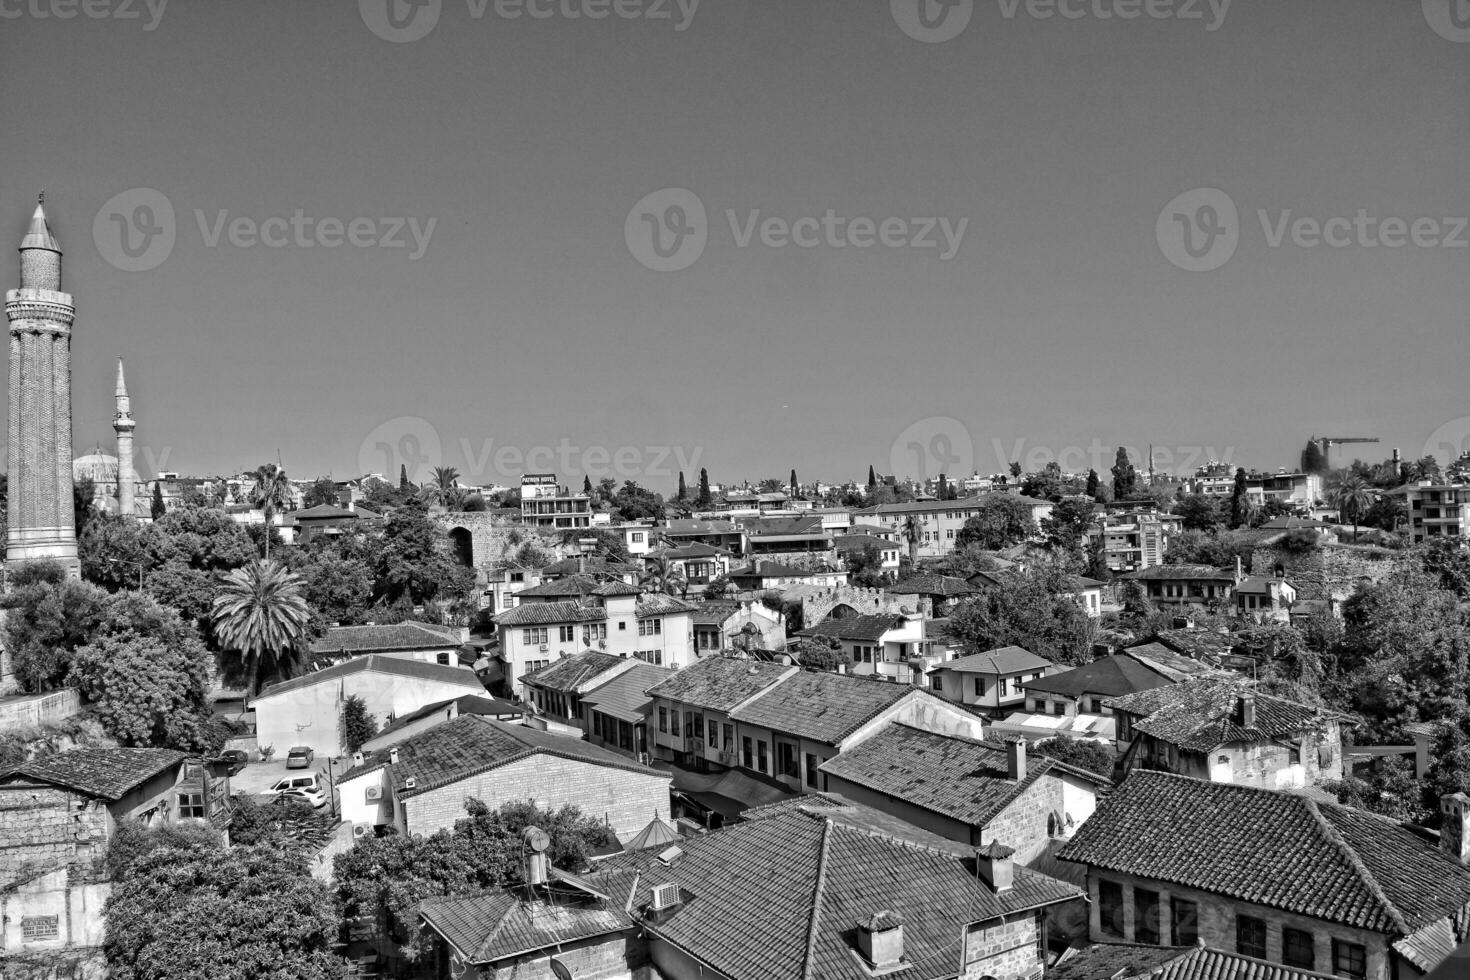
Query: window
[(1110, 908), (1250, 936), (1005, 687), (745, 751), (979, 687), (762, 759), (536, 634), (663, 719), (1058, 708), (517, 576), (677, 715), (650, 627), (812, 762), (1184, 921), (1146, 916), (191, 806), (937, 683), (696, 726), (1297, 948), (637, 537), (39, 928), (1349, 960), (786, 753), (728, 732), (566, 634), (442, 658)]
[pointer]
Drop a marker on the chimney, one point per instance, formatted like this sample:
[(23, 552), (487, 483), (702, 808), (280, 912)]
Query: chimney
[(996, 867), (1454, 830), (356, 759), (1245, 711), (393, 757), (1239, 570), (1016, 757), (880, 940)]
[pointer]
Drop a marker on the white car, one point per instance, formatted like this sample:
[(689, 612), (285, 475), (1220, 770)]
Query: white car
[(307, 786)]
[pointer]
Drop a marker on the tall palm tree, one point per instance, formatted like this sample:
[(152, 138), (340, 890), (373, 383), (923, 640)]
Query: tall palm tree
[(912, 531), (1351, 495), (261, 613), (271, 492), (444, 488)]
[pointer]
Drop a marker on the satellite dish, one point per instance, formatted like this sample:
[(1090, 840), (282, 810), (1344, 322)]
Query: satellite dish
[(560, 969), (536, 839)]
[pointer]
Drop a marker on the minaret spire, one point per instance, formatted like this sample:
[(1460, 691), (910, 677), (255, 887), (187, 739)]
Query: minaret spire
[(123, 425)]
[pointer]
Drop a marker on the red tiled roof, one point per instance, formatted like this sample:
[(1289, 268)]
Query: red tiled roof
[(379, 639), (720, 683), (1127, 961), (1200, 714), (1282, 850), (568, 673), (940, 585), (821, 706), (546, 613), (871, 628), (105, 773), (395, 666), (1003, 660)]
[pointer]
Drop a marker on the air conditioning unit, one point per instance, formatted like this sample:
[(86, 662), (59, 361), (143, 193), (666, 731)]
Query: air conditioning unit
[(544, 647), (665, 896), (361, 830), (643, 758), (374, 793), (602, 644)]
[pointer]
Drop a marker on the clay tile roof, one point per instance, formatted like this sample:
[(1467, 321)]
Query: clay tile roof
[(1105, 677), (778, 898), (940, 585), (381, 639), (714, 613), (569, 673), (323, 512), (469, 704), (720, 683), (472, 744), (545, 613), (959, 777), (772, 569), (571, 585), (105, 773), (1003, 660), (616, 589), (1281, 850), (1126, 961), (658, 604), (625, 697), (1200, 714), (394, 666), (821, 706), (1174, 573), (871, 628)]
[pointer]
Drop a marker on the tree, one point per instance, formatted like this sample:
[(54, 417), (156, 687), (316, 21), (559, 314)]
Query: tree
[(253, 823), (444, 489), (157, 508), (1093, 484), (1200, 512), (821, 653), (321, 493), (912, 533), (1239, 503), (1312, 459), (248, 913), (114, 550), (1046, 485), (703, 499), (1015, 469), (147, 691), (717, 589), (132, 839), (403, 483), (337, 587), (1095, 757), (683, 493), (865, 566), (83, 504), (1449, 562), (271, 492), (1125, 477), (1219, 549), (634, 503), (358, 726), (1067, 525), (413, 563), (1000, 520), (262, 614), (1386, 512), (48, 616), (1351, 495), (1033, 609)]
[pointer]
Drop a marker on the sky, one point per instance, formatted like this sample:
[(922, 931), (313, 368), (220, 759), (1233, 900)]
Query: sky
[(1012, 236)]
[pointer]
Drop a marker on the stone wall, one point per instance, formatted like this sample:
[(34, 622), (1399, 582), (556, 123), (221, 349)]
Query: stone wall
[(1023, 824), (1329, 571), (33, 710), (817, 606), (621, 957), (625, 799), (1003, 949), (41, 827)]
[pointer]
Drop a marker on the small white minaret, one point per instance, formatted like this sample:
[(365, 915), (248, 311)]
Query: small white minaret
[(123, 424)]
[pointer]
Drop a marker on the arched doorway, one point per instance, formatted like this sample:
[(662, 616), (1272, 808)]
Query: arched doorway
[(464, 546)]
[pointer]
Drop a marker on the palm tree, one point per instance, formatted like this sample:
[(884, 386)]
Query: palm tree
[(261, 613), (444, 489), (271, 491), (912, 531), (1351, 495), (659, 575)]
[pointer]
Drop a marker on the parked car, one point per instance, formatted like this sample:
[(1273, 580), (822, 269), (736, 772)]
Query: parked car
[(316, 796), (307, 783), (300, 757), (234, 759)]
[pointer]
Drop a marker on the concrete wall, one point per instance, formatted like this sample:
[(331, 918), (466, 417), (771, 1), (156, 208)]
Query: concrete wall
[(356, 808), (1217, 923), (31, 710), (626, 800), (77, 909), (312, 715), (675, 964)]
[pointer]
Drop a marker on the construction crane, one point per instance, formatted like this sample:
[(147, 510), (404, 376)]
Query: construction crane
[(1327, 442)]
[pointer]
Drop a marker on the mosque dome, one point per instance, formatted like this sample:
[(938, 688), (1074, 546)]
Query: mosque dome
[(96, 466)]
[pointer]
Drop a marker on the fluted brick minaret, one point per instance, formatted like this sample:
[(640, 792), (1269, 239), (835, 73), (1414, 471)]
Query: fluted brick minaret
[(40, 492), (123, 424)]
